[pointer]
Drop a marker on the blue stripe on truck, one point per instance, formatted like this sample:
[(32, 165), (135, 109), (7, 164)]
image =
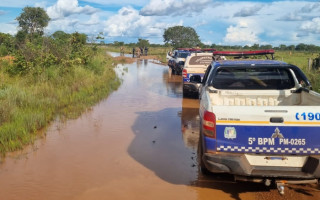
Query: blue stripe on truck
[(267, 139)]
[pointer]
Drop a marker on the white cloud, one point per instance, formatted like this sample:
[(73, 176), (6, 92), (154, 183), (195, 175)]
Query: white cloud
[(311, 26), (67, 25), (249, 11), (174, 7), (128, 22), (8, 28), (294, 16), (119, 3), (310, 7), (65, 8), (243, 33), (94, 20)]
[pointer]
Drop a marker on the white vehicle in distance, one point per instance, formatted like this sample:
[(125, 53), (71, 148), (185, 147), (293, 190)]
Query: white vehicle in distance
[(196, 64)]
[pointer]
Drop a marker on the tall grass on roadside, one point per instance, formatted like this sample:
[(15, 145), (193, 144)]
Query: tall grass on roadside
[(29, 103), (300, 59)]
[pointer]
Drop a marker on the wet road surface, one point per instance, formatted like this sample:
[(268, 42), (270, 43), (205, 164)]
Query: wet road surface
[(139, 143)]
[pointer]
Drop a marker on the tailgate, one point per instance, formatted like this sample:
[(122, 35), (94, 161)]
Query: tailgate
[(268, 129), (197, 69)]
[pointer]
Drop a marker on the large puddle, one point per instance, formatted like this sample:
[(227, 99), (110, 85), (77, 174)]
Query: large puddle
[(139, 143)]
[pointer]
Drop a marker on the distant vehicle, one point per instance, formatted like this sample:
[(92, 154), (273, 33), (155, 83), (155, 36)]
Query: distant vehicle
[(178, 58), (259, 120), (176, 62), (195, 64)]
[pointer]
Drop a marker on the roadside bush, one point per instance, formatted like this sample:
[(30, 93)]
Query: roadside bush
[(3, 50), (30, 101)]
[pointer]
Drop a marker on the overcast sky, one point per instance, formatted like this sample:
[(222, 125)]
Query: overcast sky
[(227, 22)]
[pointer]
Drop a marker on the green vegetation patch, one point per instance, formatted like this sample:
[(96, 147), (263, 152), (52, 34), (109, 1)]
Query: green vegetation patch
[(29, 102)]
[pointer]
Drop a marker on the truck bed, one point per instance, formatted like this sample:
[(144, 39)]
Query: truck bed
[(263, 98)]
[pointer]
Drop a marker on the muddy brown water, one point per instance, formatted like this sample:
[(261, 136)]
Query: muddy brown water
[(139, 143)]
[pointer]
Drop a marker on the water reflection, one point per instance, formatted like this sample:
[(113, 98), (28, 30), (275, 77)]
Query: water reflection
[(173, 83), (190, 122), (115, 54)]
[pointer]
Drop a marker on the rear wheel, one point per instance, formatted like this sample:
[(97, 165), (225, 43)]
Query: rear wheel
[(185, 92), (173, 71), (201, 164)]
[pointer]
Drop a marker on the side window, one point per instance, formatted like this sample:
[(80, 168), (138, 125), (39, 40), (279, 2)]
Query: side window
[(205, 77), (302, 79)]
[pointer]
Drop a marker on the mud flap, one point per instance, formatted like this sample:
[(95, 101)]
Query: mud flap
[(312, 166)]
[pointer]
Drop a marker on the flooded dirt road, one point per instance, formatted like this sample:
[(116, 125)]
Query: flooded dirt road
[(139, 143)]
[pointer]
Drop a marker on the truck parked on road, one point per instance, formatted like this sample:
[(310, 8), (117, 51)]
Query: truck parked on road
[(176, 62), (259, 120), (196, 64)]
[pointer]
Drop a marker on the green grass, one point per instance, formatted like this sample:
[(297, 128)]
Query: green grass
[(300, 59), (29, 103)]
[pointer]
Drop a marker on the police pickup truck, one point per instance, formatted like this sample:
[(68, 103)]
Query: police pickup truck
[(196, 64), (176, 62), (259, 120)]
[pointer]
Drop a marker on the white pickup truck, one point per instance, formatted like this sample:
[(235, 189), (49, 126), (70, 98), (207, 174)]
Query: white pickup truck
[(196, 64), (260, 121)]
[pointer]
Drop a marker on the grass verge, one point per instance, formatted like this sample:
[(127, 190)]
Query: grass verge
[(29, 103)]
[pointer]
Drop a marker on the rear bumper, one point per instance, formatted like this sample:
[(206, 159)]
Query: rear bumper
[(191, 87), (238, 164)]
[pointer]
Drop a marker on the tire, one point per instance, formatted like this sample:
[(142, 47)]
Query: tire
[(202, 167), (185, 92)]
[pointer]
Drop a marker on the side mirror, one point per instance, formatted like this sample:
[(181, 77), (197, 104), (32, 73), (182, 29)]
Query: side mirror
[(195, 79)]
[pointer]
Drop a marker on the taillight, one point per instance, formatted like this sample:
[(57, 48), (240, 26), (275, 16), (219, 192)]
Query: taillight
[(184, 73), (209, 124)]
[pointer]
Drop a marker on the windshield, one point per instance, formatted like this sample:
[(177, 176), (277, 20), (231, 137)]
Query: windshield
[(183, 54), (253, 78)]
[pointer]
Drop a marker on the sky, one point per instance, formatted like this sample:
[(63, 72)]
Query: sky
[(229, 22)]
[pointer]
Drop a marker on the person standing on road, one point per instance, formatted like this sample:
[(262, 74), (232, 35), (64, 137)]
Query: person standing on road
[(141, 51), (121, 51), (133, 51), (146, 51)]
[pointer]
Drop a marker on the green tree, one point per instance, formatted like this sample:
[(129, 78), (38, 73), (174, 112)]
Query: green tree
[(301, 47), (33, 20), (282, 47), (267, 46), (117, 43), (21, 37), (143, 43), (291, 47), (180, 36), (60, 35), (6, 44), (79, 38), (255, 46)]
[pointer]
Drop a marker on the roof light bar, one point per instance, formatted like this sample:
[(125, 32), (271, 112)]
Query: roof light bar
[(197, 49), (244, 53)]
